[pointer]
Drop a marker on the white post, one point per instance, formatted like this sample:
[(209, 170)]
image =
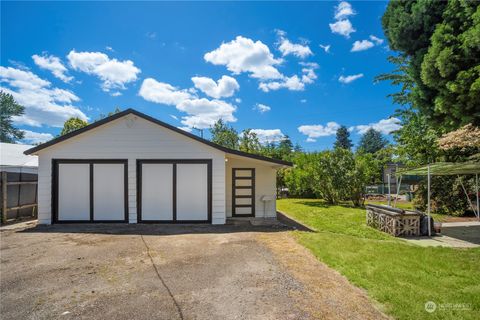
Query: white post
[(428, 200), (478, 202), (399, 184), (389, 200)]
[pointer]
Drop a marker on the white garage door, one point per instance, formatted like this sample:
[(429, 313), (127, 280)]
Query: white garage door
[(174, 191), (90, 191)]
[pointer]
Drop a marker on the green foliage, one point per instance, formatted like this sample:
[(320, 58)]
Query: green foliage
[(343, 139), (224, 135), (451, 67), (333, 175), (365, 169), (249, 142), (439, 62), (8, 109), (417, 140), (372, 141), (73, 124), (446, 195)]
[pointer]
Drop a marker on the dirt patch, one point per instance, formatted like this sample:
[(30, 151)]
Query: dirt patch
[(333, 295)]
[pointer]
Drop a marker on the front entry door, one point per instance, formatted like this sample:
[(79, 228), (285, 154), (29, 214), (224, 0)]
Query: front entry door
[(243, 192)]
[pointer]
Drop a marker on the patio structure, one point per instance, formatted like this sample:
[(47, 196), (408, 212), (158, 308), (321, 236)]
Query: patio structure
[(447, 169)]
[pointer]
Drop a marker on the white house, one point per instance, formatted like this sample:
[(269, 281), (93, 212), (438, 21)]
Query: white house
[(133, 168)]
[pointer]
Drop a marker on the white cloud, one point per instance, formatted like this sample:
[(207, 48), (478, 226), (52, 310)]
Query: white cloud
[(293, 83), (351, 78), (43, 104), (262, 108), (52, 64), (315, 131), (325, 48), (113, 73), (342, 27), (160, 92), (238, 100), (174, 117), (377, 41), (286, 47), (108, 48), (303, 101), (245, 55), (224, 87), (361, 45), (268, 135), (203, 113), (385, 126), (343, 10), (36, 137)]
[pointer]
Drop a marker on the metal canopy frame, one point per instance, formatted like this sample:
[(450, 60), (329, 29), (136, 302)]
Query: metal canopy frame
[(445, 169)]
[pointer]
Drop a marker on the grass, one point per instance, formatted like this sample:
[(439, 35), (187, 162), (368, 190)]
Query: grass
[(399, 275)]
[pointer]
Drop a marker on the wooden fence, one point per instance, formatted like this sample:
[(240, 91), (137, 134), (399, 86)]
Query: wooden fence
[(19, 196)]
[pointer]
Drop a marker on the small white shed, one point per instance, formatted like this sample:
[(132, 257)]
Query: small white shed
[(133, 168)]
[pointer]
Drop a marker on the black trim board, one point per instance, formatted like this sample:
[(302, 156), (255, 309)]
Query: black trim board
[(160, 123), (91, 162), (174, 163)]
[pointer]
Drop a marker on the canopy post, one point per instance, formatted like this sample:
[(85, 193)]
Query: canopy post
[(468, 198), (399, 184), (389, 193), (476, 191), (428, 201)]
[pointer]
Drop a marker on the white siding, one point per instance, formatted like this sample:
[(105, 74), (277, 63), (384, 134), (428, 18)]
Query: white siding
[(265, 185), (131, 138)]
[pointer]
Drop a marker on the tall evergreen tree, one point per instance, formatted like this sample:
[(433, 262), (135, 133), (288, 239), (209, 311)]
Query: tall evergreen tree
[(343, 139), (8, 109), (224, 135), (372, 141)]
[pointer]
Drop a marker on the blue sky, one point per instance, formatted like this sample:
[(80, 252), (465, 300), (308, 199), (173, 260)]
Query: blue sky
[(299, 69)]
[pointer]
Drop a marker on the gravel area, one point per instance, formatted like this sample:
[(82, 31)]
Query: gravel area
[(112, 271)]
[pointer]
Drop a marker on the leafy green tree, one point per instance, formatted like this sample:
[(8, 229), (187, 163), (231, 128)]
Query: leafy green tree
[(73, 124), (451, 66), (416, 140), (249, 142), (408, 26), (343, 139), (8, 109), (285, 148), (372, 141), (364, 171), (224, 135), (439, 46)]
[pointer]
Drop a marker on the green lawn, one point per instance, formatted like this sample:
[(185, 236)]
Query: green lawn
[(399, 275)]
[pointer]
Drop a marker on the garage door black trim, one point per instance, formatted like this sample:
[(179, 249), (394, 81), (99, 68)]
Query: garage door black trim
[(174, 162), (56, 162)]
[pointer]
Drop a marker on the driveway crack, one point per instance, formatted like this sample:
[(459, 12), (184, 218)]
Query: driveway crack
[(177, 305)]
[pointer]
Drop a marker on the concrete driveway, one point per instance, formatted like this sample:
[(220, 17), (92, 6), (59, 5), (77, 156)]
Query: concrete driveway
[(169, 272)]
